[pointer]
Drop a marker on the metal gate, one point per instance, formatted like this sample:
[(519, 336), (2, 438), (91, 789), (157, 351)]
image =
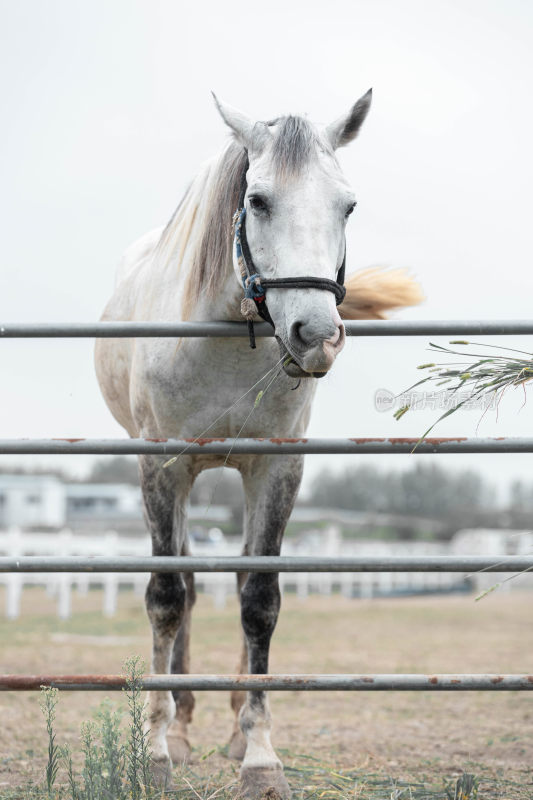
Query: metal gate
[(460, 682)]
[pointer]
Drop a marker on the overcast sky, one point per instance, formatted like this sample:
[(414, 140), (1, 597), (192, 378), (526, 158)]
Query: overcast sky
[(108, 114)]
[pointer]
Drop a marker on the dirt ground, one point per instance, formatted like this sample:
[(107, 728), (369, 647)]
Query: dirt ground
[(407, 735)]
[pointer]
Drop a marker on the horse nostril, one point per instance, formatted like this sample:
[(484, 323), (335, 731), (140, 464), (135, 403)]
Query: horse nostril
[(308, 334), (296, 337), (336, 336)]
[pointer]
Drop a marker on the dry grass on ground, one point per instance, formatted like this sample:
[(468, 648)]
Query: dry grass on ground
[(326, 740)]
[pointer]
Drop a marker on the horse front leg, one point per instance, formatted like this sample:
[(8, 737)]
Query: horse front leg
[(164, 494), (271, 484)]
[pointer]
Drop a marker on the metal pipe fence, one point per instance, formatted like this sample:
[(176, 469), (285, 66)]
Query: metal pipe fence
[(278, 683), (469, 564), (274, 446), (271, 446), (118, 330)]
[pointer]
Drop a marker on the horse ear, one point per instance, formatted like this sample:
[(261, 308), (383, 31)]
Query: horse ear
[(241, 125), (346, 128)]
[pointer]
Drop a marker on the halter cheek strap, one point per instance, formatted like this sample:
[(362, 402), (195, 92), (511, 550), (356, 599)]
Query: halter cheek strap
[(253, 301)]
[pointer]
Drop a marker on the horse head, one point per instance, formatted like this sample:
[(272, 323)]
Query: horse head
[(296, 203)]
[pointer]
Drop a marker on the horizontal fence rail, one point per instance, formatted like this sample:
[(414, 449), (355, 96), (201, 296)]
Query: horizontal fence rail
[(265, 564), (278, 683), (273, 446), (48, 330)]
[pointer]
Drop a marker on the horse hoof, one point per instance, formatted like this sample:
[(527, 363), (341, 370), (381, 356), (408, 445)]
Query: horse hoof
[(179, 749), (161, 770), (264, 783), (237, 746)]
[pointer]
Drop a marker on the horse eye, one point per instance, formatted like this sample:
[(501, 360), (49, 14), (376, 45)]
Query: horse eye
[(351, 209), (258, 203)]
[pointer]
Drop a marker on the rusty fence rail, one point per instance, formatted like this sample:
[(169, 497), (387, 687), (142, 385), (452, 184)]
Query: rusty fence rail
[(273, 446), (278, 683)]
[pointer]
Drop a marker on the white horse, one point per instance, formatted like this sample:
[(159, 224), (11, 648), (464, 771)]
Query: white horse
[(296, 204)]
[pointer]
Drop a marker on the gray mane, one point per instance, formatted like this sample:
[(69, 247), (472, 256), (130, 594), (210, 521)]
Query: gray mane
[(293, 148)]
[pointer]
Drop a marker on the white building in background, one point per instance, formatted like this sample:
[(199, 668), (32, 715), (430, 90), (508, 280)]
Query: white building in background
[(28, 501), (45, 501), (493, 543), (97, 500)]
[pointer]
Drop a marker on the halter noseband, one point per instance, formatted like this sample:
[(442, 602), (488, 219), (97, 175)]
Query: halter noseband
[(254, 301)]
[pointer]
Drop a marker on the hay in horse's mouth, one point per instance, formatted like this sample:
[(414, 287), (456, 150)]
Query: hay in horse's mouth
[(291, 366)]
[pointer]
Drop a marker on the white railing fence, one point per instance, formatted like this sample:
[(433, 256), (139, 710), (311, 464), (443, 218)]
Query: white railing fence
[(218, 585)]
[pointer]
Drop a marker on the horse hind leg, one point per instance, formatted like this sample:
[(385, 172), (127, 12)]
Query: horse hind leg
[(178, 743)]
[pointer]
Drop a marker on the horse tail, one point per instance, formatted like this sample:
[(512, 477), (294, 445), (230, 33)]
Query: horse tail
[(373, 291)]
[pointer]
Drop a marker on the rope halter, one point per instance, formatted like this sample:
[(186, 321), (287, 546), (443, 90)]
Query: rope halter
[(254, 300)]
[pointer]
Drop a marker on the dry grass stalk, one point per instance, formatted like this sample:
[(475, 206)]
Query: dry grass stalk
[(489, 374)]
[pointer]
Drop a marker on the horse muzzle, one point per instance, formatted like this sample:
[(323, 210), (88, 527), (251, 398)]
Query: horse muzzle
[(316, 359)]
